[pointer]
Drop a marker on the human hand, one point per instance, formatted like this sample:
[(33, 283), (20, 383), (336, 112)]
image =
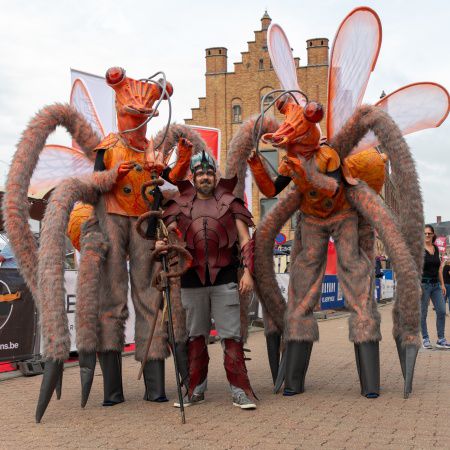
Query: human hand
[(444, 290), (160, 243), (125, 168), (185, 146), (246, 284)]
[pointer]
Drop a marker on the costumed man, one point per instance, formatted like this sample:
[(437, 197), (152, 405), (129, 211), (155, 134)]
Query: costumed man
[(316, 170), (213, 222), (118, 210)]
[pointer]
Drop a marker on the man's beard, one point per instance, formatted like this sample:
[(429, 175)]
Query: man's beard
[(205, 188)]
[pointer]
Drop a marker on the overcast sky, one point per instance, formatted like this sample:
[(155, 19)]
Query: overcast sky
[(41, 40)]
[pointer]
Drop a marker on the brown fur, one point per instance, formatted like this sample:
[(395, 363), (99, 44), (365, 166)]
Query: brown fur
[(51, 291), (267, 287), (241, 146), (94, 246), (317, 179), (307, 272), (407, 312), (404, 176), (15, 202)]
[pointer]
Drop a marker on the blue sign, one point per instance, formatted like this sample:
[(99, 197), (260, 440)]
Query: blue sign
[(280, 239), (329, 298)]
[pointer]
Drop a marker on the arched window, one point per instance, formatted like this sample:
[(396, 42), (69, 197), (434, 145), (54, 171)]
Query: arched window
[(268, 100), (237, 114)]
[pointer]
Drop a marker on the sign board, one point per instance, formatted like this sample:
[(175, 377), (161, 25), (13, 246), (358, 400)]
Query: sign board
[(280, 238), (18, 317), (70, 279)]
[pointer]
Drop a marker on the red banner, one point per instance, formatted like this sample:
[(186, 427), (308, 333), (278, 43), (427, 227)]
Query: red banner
[(212, 138), (331, 259), (441, 243)]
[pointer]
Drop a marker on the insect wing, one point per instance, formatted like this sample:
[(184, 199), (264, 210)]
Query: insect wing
[(56, 163), (413, 107), (81, 100), (353, 57), (282, 60)]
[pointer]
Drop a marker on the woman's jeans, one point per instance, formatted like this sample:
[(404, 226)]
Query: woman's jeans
[(433, 291)]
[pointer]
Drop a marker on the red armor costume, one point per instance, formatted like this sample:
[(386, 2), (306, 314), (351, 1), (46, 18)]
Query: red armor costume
[(208, 226), (209, 288)]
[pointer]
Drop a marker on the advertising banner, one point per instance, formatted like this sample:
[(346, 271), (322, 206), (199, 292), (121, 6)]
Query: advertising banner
[(18, 319), (70, 279), (331, 298)]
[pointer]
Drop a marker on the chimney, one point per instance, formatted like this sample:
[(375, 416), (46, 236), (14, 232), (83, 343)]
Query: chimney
[(438, 219)]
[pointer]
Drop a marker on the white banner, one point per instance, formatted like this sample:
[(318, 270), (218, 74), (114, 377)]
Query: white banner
[(70, 278)]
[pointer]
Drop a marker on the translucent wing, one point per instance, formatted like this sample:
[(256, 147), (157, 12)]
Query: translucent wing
[(81, 99), (413, 107), (353, 57), (57, 163), (282, 59)]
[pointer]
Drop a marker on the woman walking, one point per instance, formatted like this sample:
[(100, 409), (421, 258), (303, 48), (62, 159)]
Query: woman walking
[(433, 287)]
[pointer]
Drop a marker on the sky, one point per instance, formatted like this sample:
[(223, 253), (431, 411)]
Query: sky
[(41, 40)]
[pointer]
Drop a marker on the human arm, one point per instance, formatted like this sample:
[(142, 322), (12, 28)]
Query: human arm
[(441, 278), (263, 180), (246, 283)]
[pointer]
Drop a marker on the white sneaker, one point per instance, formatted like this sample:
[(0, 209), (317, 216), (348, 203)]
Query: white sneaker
[(196, 399), (243, 402), (442, 343)]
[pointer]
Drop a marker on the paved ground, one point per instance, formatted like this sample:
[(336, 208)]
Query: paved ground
[(331, 414)]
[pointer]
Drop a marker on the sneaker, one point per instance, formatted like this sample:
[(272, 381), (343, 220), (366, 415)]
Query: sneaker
[(196, 399), (243, 402), (427, 344), (442, 343)]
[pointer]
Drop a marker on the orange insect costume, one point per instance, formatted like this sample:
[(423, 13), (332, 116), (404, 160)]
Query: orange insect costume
[(337, 183)]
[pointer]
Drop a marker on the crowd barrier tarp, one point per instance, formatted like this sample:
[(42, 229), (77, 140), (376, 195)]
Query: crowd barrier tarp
[(70, 278), (18, 317), (331, 297)]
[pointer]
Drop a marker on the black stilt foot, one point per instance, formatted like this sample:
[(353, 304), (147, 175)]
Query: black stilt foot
[(407, 355), (52, 374), (111, 365), (87, 368), (58, 387), (281, 374), (367, 356), (298, 355), (154, 379), (273, 342)]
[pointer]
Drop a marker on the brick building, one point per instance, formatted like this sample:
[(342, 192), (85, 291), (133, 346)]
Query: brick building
[(233, 97)]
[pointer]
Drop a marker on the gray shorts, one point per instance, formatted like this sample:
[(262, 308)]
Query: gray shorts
[(218, 302)]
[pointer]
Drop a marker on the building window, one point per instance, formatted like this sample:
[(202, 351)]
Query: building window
[(268, 100), (237, 114), (261, 64), (266, 204)]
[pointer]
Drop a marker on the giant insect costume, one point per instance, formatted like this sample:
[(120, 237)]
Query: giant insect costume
[(336, 185), (109, 239)]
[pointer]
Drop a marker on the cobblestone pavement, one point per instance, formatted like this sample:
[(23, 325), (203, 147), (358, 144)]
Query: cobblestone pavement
[(331, 414)]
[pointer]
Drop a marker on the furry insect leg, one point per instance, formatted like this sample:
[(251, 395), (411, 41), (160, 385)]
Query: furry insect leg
[(15, 201)]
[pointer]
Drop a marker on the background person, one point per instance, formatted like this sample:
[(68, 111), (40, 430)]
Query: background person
[(432, 288)]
